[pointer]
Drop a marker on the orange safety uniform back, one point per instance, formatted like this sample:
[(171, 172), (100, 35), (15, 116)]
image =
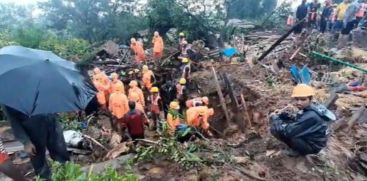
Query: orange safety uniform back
[(139, 51), (115, 84), (158, 44), (139, 92), (198, 117), (118, 104), (147, 79)]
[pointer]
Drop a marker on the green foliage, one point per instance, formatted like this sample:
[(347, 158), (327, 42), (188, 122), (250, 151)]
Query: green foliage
[(279, 17), (193, 17), (94, 20), (73, 172), (35, 37), (6, 40), (249, 9), (168, 148)]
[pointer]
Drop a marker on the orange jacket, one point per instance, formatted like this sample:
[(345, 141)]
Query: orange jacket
[(158, 44), (172, 123), (101, 97), (118, 104), (194, 119), (138, 91), (115, 84), (139, 51), (147, 79)]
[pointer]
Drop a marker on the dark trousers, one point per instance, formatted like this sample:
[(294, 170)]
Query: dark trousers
[(297, 144), (323, 25), (46, 133)]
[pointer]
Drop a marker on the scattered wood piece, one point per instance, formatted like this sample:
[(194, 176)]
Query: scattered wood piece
[(95, 141), (118, 150), (248, 174), (148, 141), (79, 151), (295, 53)]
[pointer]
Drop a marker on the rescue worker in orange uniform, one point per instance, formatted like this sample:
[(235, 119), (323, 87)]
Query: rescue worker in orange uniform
[(198, 117), (102, 84), (116, 83), (155, 106), (138, 49), (135, 97), (118, 103), (147, 77), (173, 117), (158, 46), (199, 101), (101, 96), (135, 89)]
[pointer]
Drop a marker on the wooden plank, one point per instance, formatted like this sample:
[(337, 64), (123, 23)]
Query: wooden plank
[(221, 98)]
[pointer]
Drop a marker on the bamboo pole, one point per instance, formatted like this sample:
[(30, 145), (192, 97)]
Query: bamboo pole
[(325, 57)]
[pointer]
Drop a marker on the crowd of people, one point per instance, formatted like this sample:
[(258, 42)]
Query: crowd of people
[(335, 18), (141, 103)]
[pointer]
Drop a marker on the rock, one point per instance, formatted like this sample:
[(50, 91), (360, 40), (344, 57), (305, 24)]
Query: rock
[(360, 37)]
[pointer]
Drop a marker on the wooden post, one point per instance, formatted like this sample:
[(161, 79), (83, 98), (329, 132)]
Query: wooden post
[(231, 93), (221, 98), (246, 111)]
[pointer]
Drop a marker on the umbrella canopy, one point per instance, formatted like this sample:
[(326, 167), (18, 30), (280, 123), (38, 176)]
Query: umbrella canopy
[(38, 82)]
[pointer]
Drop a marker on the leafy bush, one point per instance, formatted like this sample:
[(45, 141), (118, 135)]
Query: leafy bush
[(73, 172)]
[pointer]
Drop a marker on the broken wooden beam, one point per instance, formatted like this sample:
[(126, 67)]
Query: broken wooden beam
[(221, 97), (282, 38)]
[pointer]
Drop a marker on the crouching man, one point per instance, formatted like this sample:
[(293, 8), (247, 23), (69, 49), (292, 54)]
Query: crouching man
[(307, 131)]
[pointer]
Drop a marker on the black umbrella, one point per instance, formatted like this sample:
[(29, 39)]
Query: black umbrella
[(38, 82)]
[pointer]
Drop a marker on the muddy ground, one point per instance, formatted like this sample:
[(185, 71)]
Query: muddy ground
[(254, 152)]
